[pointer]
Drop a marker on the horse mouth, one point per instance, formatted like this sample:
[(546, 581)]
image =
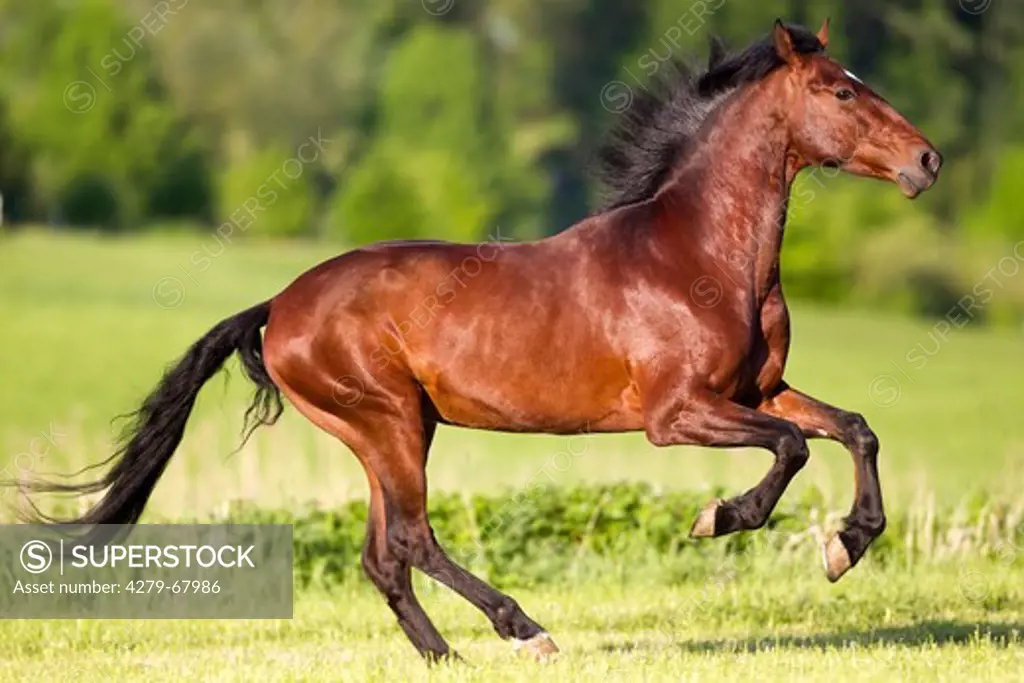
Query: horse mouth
[(910, 188)]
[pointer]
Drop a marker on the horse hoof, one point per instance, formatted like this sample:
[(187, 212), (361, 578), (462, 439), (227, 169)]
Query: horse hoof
[(449, 657), (540, 647), (836, 558), (704, 527)]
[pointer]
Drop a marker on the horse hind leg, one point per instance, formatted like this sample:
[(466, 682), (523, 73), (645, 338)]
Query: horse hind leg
[(386, 430), (393, 578), (401, 467), (390, 574)]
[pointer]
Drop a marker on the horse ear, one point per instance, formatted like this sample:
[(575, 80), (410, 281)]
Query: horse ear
[(718, 51), (783, 42), (823, 34)]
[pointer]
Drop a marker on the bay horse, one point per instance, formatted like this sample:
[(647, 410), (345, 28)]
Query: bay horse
[(663, 313)]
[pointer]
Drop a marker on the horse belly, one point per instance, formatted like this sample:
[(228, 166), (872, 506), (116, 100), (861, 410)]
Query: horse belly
[(531, 396)]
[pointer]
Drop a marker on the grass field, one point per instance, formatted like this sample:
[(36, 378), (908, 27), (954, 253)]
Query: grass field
[(934, 625), (89, 323)]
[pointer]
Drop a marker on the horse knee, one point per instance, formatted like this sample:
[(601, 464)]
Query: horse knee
[(859, 437), (792, 448)]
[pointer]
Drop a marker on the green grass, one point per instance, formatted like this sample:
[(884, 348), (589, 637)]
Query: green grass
[(84, 338), (925, 624)]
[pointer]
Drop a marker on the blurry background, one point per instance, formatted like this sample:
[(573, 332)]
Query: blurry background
[(164, 164)]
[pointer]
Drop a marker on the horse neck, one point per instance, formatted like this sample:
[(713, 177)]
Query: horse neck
[(729, 195)]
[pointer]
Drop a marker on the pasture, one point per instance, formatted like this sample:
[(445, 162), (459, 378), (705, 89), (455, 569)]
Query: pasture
[(899, 625), (89, 323)]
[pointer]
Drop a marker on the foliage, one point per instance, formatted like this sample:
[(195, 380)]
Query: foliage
[(269, 193), (544, 534), (406, 193), (428, 172), (378, 202), (998, 214), (94, 149)]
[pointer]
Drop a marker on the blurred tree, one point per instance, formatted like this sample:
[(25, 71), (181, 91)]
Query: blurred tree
[(432, 95), (922, 77), (377, 202), (268, 193), (260, 77), (257, 73), (590, 41), (87, 108), (528, 122), (401, 193), (434, 146)]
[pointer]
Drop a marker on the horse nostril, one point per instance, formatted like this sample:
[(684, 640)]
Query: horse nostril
[(931, 161)]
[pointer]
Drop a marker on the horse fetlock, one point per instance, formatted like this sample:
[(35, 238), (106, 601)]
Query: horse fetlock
[(751, 517), (872, 526), (510, 621), (505, 618)]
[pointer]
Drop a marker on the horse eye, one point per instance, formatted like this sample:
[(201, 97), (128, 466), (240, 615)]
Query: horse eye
[(845, 94)]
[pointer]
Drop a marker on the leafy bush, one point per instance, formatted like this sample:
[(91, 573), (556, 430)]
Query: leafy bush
[(268, 193), (999, 215), (547, 534), (430, 171), (95, 124), (408, 194)]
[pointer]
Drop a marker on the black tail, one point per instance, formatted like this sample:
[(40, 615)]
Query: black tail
[(157, 427)]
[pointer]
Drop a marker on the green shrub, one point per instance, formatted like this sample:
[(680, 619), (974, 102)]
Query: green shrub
[(406, 194), (549, 534), (377, 202), (268, 193)]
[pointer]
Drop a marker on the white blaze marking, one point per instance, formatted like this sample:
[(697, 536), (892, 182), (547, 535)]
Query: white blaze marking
[(852, 75)]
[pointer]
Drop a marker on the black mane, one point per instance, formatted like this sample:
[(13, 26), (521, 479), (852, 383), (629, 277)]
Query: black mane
[(654, 132)]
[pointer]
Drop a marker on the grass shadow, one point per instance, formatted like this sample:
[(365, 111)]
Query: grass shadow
[(917, 635)]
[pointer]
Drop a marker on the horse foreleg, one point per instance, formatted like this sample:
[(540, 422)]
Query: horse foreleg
[(866, 520), (688, 416)]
